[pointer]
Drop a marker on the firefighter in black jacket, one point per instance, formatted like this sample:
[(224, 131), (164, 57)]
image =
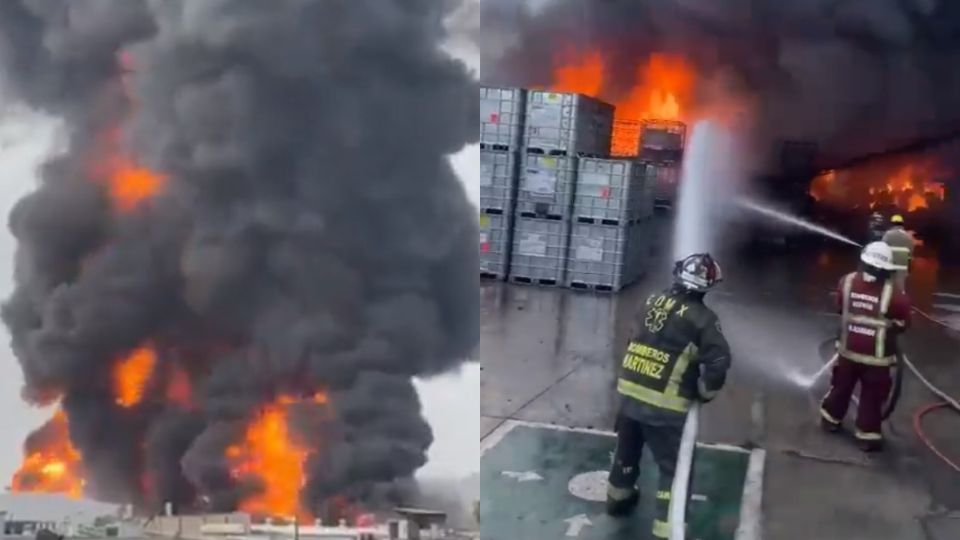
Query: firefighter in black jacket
[(676, 356)]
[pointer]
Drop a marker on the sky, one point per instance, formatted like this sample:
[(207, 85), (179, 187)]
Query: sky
[(451, 401)]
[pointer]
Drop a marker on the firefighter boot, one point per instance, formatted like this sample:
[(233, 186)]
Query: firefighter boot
[(621, 502), (829, 426), (870, 445)]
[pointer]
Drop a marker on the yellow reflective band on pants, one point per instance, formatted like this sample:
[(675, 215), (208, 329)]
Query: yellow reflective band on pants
[(825, 415), (663, 495), (652, 397), (865, 436), (661, 529)]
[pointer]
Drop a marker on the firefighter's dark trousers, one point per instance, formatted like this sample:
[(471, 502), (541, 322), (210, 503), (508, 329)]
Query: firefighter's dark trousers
[(664, 444), (875, 383)]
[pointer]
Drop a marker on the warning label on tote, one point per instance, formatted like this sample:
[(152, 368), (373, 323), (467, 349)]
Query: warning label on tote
[(540, 181), (544, 115), (490, 111), (590, 249), (533, 245)]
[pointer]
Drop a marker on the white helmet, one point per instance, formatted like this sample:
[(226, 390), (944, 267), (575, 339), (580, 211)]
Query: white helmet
[(878, 255)]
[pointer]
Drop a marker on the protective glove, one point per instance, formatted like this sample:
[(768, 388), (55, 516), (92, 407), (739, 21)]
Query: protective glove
[(704, 395)]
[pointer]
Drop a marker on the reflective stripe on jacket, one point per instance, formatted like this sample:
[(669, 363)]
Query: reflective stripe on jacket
[(864, 324), (676, 336)]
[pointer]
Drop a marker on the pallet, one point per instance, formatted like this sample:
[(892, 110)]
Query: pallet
[(492, 276), (595, 287), (606, 221), (562, 153), (532, 281), (534, 215), (495, 147)]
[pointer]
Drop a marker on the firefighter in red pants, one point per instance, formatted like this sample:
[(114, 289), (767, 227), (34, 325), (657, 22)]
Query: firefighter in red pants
[(874, 311)]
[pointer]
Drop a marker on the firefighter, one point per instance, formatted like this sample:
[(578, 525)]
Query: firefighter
[(873, 313), (902, 243), (677, 355), (876, 227)]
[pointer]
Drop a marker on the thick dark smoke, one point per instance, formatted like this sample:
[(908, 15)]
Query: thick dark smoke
[(311, 233), (856, 76)]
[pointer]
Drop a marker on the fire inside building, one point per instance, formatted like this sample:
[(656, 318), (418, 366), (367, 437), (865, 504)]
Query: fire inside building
[(722, 318)]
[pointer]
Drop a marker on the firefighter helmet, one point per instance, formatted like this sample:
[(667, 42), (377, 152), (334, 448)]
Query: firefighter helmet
[(878, 255), (896, 219), (698, 272)]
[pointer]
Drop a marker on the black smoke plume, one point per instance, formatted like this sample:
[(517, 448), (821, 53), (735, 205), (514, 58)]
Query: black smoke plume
[(310, 234), (856, 77)]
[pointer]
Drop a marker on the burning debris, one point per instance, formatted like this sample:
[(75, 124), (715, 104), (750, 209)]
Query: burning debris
[(230, 277), (902, 185)]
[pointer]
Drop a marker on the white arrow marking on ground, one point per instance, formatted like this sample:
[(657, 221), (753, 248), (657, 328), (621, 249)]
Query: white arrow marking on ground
[(576, 523), (529, 476)]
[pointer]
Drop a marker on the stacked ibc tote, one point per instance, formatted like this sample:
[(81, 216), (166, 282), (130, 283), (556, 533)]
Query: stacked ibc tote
[(502, 114), (554, 209)]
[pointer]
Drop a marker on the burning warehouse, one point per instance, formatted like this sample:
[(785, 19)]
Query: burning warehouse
[(849, 82), (228, 277)]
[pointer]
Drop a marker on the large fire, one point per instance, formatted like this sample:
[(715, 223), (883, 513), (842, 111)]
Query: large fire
[(662, 90), (906, 187), (271, 455), (268, 453), (51, 464), (131, 375)]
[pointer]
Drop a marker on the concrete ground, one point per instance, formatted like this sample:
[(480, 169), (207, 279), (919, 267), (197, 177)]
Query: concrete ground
[(549, 355)]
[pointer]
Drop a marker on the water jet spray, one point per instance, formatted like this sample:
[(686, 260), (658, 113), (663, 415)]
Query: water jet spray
[(790, 219)]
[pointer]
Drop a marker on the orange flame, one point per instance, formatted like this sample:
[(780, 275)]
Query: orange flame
[(54, 466), (270, 454), (128, 183), (131, 375), (580, 75), (908, 186), (662, 90)]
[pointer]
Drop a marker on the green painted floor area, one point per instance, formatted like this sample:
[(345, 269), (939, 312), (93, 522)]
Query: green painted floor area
[(526, 477)]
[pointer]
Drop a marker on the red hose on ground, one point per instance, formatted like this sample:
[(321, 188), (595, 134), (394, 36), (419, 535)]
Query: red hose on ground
[(918, 429)]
